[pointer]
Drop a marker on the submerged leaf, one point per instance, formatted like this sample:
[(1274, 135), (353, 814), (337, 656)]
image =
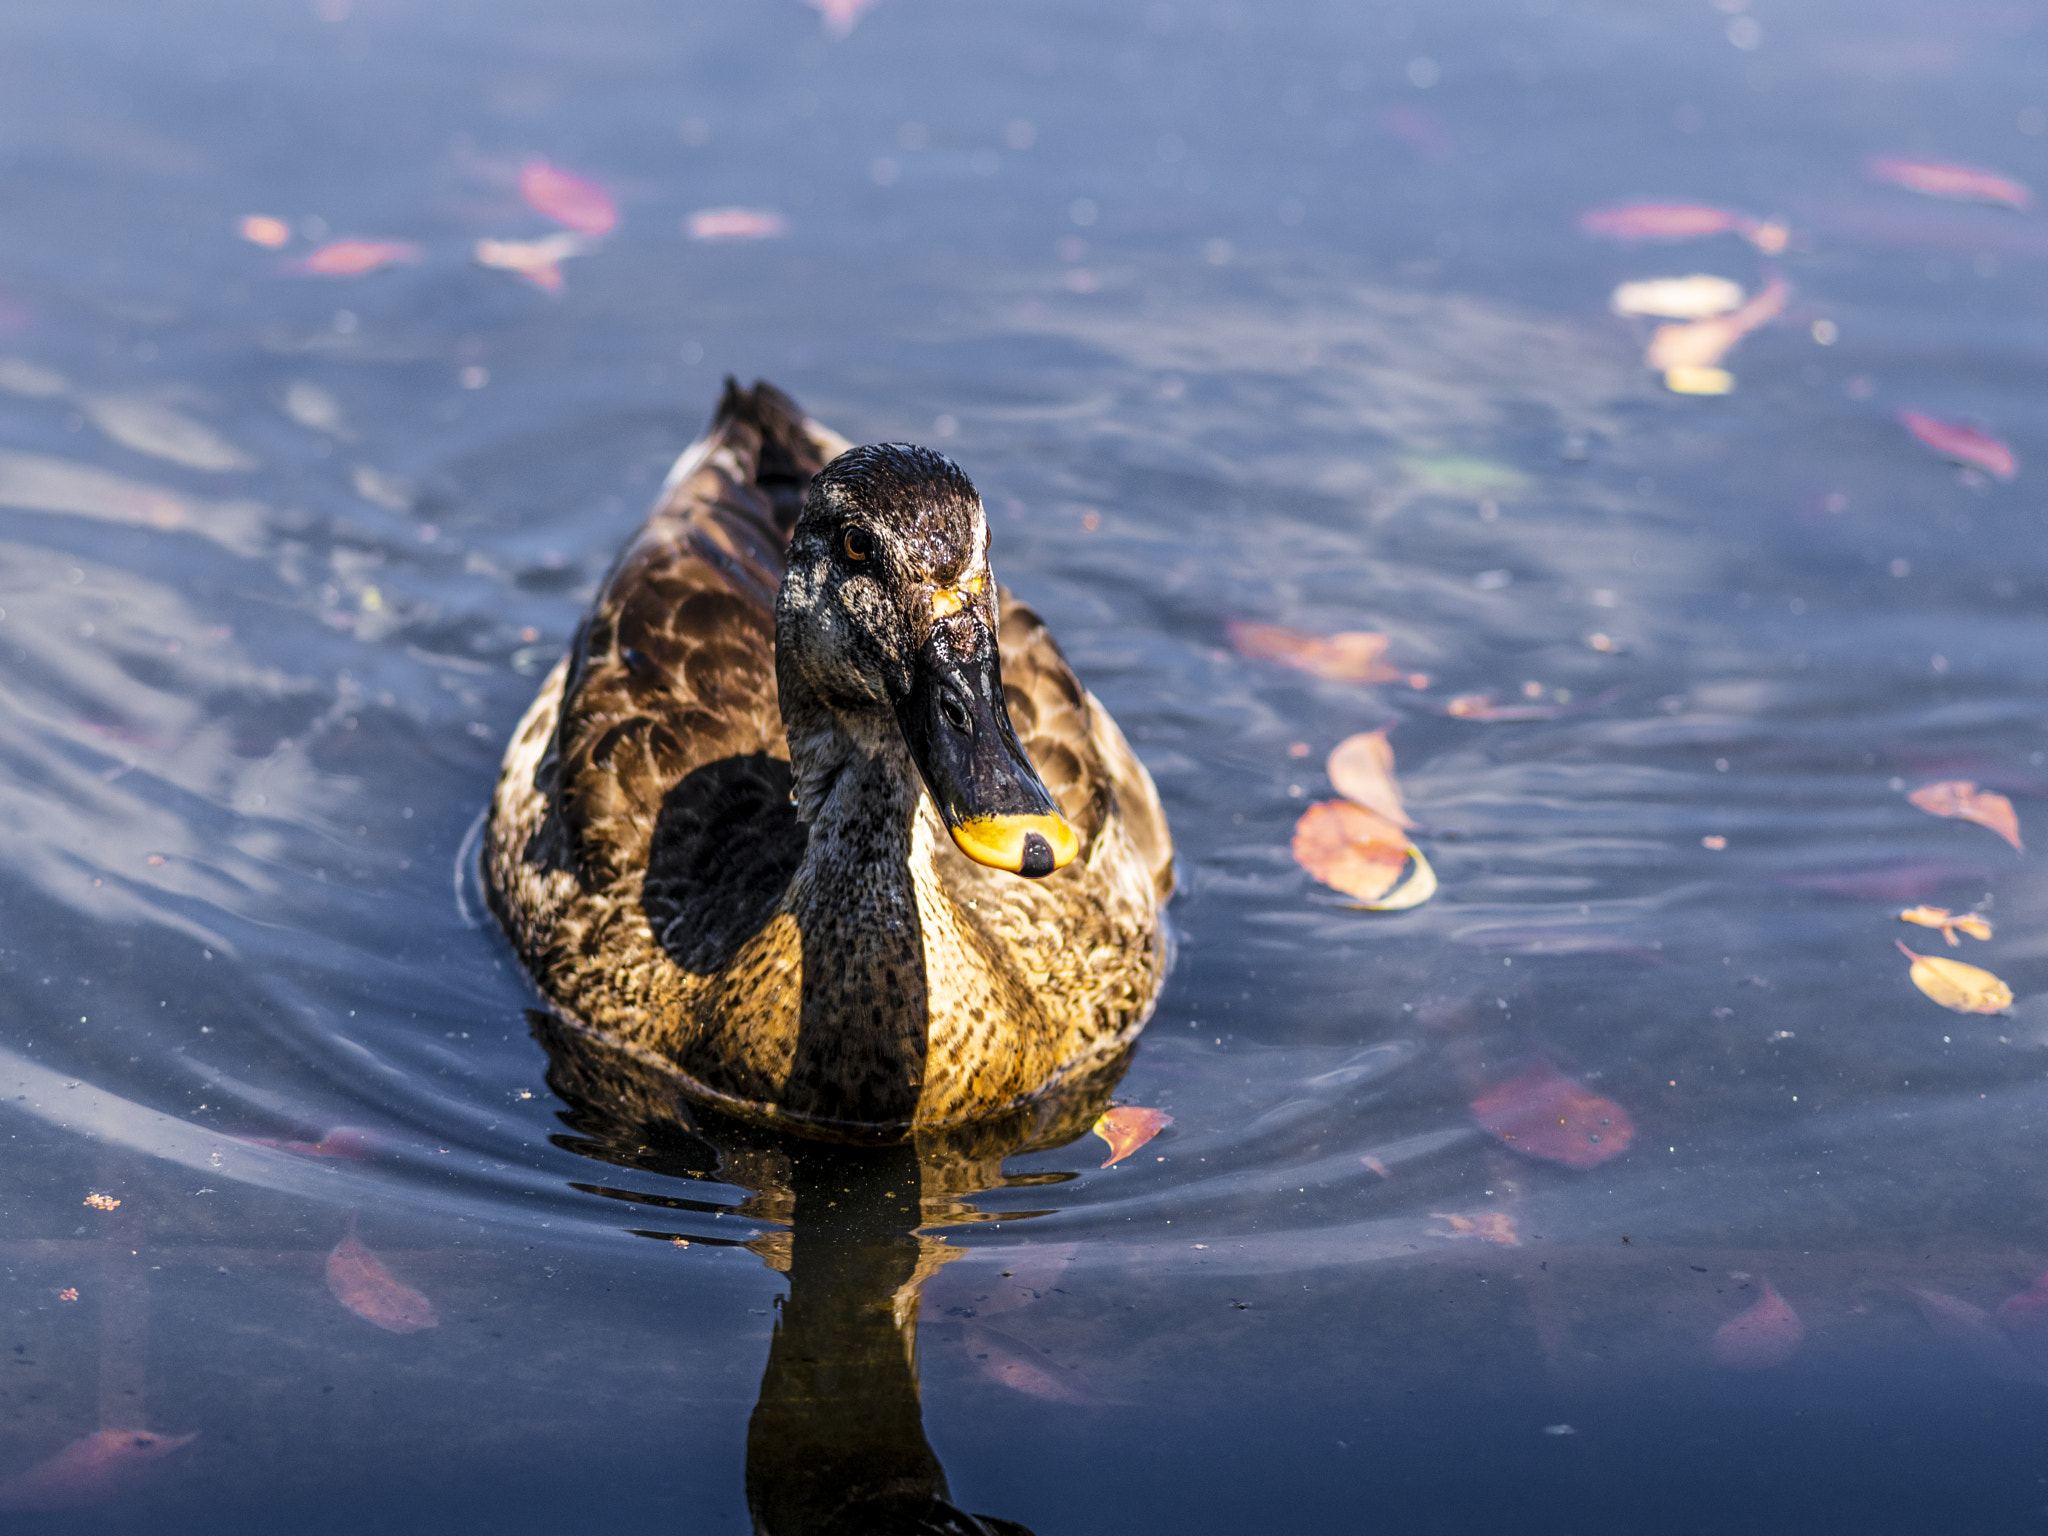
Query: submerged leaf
[(1699, 381), (1703, 343), (1948, 922), (1677, 298), (1970, 1328), (1681, 221), (1964, 445), (88, 1470), (1493, 1226), (360, 1282), (568, 199), (1936, 178), (1362, 771), (1003, 1359), (1962, 798), (1965, 988), (1545, 1114), (1764, 1336), (1127, 1128), (1352, 656), (352, 258)]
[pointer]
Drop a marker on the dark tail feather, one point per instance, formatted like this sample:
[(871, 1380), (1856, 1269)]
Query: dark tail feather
[(784, 457)]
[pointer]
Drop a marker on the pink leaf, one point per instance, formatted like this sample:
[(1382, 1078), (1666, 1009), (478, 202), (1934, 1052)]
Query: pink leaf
[(568, 199), (1764, 1336), (1936, 178), (736, 224), (1966, 445), (361, 1283), (1543, 1113), (352, 258), (89, 1470)]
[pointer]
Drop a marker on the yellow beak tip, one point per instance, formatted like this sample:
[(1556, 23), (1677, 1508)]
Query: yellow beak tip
[(1033, 846)]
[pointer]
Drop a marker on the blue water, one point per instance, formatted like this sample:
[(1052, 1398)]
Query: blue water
[(1277, 313)]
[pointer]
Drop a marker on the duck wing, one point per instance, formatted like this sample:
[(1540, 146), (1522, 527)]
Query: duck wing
[(669, 742)]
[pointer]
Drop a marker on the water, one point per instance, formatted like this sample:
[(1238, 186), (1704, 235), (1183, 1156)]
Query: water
[(1269, 313)]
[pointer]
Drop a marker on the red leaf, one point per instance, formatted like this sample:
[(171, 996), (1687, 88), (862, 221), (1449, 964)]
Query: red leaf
[(1350, 848), (1128, 1128), (352, 258), (1938, 178), (569, 200), (361, 1283), (1966, 445), (1764, 1336), (1543, 1113)]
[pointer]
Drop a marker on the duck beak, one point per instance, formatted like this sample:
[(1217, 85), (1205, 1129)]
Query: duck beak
[(958, 729)]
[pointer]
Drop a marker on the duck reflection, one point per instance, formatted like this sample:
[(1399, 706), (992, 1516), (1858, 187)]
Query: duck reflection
[(836, 1446)]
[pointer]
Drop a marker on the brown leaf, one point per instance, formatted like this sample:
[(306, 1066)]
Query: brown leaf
[(361, 1283), (1543, 1113), (1127, 1128), (1352, 656), (1362, 771), (1961, 797), (1350, 849), (1965, 988)]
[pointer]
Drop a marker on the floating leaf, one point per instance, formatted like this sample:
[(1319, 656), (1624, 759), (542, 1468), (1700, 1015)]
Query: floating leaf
[(1412, 892), (361, 1283), (1964, 445), (1962, 798), (1492, 1226), (1965, 988), (100, 1202), (538, 261), (352, 258), (89, 1470), (1127, 1128), (1699, 381), (1936, 178), (840, 15), (1352, 656), (1948, 922), (261, 229), (568, 199), (1543, 1113), (736, 224), (1703, 343), (1764, 1336), (342, 1141), (1480, 706), (1362, 771), (1680, 221), (1350, 849), (1677, 298)]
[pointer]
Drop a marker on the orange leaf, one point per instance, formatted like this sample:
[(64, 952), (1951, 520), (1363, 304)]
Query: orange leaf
[(1948, 922), (1127, 1128), (569, 200), (1703, 343), (1965, 988), (89, 1470), (261, 229), (1352, 656), (1543, 1113), (1493, 1226), (352, 258), (360, 1282), (1362, 771), (1350, 849), (1961, 797)]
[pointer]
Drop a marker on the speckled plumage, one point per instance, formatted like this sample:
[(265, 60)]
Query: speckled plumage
[(850, 972)]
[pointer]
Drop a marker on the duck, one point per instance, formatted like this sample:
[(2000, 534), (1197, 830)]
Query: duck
[(814, 818)]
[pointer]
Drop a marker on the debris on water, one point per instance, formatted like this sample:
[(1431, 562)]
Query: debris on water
[(100, 1202), (1962, 444), (1489, 1226)]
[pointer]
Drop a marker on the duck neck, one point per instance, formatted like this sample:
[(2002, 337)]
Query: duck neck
[(864, 1017)]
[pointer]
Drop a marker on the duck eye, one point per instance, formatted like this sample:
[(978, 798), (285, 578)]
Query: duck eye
[(858, 544)]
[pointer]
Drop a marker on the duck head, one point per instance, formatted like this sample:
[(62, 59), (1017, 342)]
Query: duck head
[(885, 642)]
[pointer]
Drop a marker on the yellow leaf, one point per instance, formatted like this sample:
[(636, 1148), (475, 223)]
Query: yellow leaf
[(1413, 892), (1948, 922), (1362, 771), (1955, 985), (1698, 381)]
